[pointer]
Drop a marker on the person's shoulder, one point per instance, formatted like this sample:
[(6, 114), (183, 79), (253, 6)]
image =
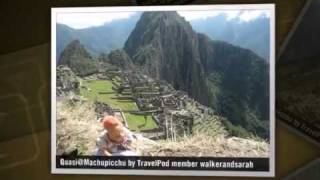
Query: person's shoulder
[(101, 140), (102, 135), (129, 133)]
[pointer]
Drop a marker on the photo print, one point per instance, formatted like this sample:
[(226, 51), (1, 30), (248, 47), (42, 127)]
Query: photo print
[(163, 90)]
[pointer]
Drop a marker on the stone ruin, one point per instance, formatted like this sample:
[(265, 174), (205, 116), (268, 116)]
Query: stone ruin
[(179, 124), (103, 109), (66, 81), (167, 106)]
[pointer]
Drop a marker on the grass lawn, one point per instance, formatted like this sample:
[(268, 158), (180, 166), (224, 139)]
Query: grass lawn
[(117, 80), (138, 122), (135, 122), (97, 86)]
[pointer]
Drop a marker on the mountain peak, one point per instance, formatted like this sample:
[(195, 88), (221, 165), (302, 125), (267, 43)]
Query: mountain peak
[(156, 15), (78, 59), (166, 18), (158, 26), (74, 47), (166, 47)]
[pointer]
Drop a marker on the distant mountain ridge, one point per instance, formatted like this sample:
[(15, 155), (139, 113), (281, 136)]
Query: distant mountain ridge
[(253, 35), (111, 36), (100, 39)]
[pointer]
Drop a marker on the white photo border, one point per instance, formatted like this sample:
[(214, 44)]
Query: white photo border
[(268, 7)]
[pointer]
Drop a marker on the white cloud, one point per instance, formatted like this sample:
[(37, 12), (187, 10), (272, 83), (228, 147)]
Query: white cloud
[(84, 20), (245, 15), (194, 15), (250, 15)]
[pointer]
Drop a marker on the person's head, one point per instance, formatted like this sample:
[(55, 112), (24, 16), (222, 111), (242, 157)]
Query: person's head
[(114, 129)]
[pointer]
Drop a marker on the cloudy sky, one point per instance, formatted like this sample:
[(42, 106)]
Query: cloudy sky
[(84, 20)]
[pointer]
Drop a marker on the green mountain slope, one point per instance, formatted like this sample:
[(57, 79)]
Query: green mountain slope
[(76, 57), (230, 79)]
